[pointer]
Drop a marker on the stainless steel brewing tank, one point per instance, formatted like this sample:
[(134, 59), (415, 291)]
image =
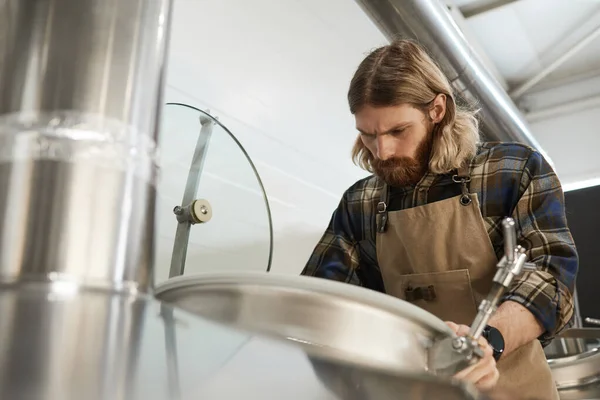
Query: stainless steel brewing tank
[(60, 343), (574, 360), (334, 319)]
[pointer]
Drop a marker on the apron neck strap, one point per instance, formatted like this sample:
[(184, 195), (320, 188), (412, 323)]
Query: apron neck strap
[(464, 172), (463, 177), (382, 208)]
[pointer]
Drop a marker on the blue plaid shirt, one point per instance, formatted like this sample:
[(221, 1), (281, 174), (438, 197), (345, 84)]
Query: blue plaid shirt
[(510, 180)]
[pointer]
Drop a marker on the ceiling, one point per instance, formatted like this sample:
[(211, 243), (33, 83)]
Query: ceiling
[(522, 38), (546, 54)]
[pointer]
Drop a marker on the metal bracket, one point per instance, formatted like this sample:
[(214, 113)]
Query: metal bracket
[(192, 211), (199, 211), (453, 354)]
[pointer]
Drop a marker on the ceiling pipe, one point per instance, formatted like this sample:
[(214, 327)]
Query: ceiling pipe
[(430, 23), (571, 107), (475, 8), (554, 65)]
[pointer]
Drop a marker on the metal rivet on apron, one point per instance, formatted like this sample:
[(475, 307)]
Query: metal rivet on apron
[(465, 200)]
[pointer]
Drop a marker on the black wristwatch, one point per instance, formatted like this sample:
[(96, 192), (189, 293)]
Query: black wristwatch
[(495, 339)]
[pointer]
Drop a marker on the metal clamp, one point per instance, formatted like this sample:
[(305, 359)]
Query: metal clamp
[(453, 354), (199, 211)]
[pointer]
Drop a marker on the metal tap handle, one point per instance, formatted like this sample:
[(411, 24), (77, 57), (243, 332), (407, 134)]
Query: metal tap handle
[(512, 265), (592, 321), (510, 239)]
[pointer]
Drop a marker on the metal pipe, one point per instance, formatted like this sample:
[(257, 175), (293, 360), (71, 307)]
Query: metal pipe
[(474, 8), (429, 22), (592, 321), (461, 22), (510, 239), (80, 93), (577, 323), (578, 78), (564, 57), (564, 108)]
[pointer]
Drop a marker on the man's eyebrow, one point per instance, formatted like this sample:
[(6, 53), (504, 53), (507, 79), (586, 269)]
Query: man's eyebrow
[(394, 128)]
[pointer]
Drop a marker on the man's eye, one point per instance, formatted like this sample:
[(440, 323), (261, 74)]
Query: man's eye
[(397, 132), (366, 136)]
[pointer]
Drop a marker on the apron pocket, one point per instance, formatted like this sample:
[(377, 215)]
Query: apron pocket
[(447, 295)]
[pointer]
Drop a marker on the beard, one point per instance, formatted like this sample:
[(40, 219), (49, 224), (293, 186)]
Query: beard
[(405, 171)]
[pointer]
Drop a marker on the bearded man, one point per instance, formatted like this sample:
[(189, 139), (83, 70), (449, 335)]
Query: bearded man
[(426, 226)]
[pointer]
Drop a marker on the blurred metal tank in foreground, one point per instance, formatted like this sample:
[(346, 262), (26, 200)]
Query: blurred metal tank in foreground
[(80, 91)]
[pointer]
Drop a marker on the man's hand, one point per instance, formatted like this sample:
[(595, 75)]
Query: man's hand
[(483, 374)]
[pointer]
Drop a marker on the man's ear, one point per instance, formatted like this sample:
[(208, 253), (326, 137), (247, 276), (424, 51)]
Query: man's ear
[(438, 108)]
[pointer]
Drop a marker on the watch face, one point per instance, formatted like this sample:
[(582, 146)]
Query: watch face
[(496, 340)]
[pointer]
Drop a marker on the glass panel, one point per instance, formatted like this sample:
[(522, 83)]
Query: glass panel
[(239, 234)]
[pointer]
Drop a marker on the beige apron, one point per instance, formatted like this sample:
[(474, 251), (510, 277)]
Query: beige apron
[(439, 257)]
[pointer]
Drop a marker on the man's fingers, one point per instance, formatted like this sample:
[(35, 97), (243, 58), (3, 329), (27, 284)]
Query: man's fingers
[(452, 326), (465, 372), (479, 371), (463, 330), (460, 330), (487, 349), (483, 373), (488, 382)]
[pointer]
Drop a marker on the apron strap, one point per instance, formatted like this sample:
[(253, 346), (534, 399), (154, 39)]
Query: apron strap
[(382, 209), (463, 177)]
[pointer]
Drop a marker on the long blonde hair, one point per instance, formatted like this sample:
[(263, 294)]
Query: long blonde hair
[(403, 73)]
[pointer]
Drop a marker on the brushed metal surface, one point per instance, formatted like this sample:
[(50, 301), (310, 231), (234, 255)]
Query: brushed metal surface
[(582, 333), (102, 57), (577, 370), (80, 92), (331, 317), (59, 344), (587, 392)]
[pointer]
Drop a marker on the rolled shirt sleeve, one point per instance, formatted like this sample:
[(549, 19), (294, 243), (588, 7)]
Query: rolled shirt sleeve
[(542, 226), (336, 256)]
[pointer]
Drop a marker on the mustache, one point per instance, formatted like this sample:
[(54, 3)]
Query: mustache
[(395, 162)]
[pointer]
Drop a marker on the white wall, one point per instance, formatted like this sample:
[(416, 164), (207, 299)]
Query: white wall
[(276, 74)]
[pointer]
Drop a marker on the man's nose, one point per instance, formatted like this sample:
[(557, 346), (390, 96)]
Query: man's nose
[(385, 148)]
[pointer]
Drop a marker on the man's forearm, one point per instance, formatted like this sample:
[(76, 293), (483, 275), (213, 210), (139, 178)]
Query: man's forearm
[(517, 325)]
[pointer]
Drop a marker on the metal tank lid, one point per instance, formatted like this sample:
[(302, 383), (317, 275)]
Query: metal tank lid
[(60, 342)]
